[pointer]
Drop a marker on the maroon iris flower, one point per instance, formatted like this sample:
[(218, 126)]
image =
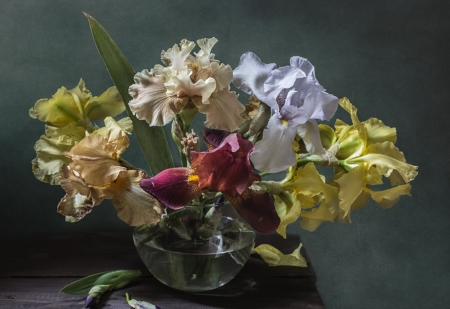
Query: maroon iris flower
[(225, 168)]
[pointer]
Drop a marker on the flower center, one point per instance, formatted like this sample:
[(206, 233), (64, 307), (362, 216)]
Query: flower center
[(193, 178)]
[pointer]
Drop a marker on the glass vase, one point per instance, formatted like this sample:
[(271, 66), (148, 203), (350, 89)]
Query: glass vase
[(196, 248)]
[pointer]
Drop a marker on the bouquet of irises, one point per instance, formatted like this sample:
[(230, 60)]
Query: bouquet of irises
[(281, 129)]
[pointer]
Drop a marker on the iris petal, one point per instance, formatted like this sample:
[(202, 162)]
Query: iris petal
[(257, 209), (251, 74), (174, 187), (273, 153)]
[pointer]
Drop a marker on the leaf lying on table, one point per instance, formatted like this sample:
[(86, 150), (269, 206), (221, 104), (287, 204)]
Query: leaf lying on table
[(115, 279), (274, 257)]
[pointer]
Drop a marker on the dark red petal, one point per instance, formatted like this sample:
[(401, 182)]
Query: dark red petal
[(226, 168), (172, 187), (257, 209)]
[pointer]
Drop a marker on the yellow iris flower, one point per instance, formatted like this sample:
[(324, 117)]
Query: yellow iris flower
[(367, 153)]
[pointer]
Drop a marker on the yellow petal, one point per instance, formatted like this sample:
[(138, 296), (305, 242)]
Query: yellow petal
[(134, 205), (307, 181), (58, 111), (81, 93), (116, 135), (50, 148), (361, 130), (387, 198), (125, 124), (350, 187), (290, 213), (312, 219), (378, 132), (274, 257), (109, 103), (386, 157), (361, 200), (327, 136)]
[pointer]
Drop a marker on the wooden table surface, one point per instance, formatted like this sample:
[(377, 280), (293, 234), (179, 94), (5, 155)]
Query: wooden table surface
[(32, 272)]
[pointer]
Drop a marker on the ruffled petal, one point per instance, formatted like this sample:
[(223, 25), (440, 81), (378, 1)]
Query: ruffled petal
[(279, 79), (150, 101), (310, 134), (387, 198), (116, 135), (174, 187), (251, 74), (273, 153), (378, 132), (96, 160), (320, 105), (312, 219), (287, 213), (110, 103), (350, 187), (258, 210), (177, 56), (307, 181), (226, 168), (135, 206), (203, 56), (223, 111), (223, 74), (386, 157), (58, 111), (50, 148), (306, 66), (182, 84), (75, 207)]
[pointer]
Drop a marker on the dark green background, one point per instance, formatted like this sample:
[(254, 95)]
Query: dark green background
[(389, 57)]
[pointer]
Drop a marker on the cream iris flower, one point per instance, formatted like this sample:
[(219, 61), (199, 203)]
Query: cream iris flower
[(95, 174), (187, 82)]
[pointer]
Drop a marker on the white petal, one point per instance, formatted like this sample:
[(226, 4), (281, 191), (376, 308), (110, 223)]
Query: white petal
[(223, 74), (320, 105), (251, 74), (223, 111), (306, 66), (279, 79), (274, 152), (310, 134), (203, 56), (182, 83), (150, 101), (177, 57)]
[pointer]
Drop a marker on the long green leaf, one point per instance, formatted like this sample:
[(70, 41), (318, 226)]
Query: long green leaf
[(152, 140), (115, 278)]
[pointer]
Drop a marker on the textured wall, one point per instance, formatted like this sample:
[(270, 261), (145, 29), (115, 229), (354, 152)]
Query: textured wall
[(389, 57)]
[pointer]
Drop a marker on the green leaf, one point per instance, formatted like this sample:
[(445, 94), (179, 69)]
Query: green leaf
[(152, 140), (116, 279)]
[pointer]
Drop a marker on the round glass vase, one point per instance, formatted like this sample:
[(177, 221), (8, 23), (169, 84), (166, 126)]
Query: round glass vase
[(196, 248)]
